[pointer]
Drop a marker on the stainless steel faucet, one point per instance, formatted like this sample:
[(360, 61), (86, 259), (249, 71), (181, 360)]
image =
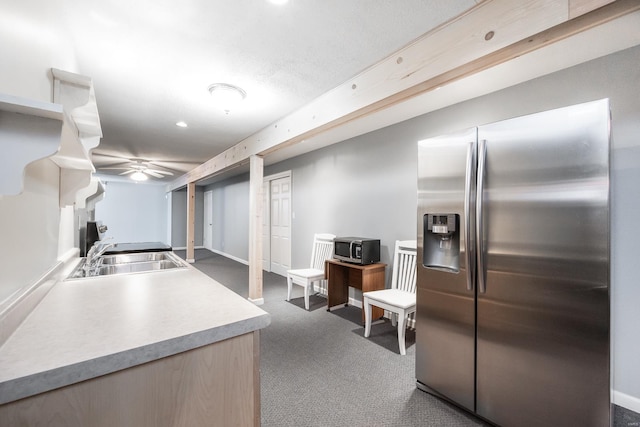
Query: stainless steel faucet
[(92, 261)]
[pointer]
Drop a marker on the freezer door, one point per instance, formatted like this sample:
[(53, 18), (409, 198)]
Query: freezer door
[(543, 322), (445, 329)]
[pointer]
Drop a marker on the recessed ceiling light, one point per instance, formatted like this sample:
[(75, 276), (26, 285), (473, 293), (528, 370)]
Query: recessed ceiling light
[(181, 124), (226, 96)]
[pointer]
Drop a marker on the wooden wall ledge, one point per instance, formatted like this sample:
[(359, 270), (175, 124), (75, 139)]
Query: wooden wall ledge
[(64, 131), (29, 130)]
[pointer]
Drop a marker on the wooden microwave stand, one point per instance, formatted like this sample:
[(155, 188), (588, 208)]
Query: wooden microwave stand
[(340, 275)]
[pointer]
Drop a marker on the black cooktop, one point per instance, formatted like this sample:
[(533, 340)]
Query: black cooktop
[(128, 248)]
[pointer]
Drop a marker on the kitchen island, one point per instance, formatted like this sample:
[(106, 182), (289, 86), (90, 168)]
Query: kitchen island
[(157, 348)]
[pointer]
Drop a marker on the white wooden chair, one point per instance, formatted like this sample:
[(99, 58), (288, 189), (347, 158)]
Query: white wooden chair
[(306, 277), (400, 299)]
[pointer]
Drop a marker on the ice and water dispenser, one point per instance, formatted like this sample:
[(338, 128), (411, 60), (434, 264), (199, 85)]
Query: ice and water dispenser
[(442, 242)]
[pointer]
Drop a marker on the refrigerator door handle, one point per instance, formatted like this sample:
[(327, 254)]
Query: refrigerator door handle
[(469, 244), (482, 155)]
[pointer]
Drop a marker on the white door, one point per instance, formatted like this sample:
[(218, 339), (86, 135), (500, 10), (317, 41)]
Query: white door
[(207, 238), (280, 217)]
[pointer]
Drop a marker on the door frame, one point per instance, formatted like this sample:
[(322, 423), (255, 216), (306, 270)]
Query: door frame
[(207, 228), (266, 251)]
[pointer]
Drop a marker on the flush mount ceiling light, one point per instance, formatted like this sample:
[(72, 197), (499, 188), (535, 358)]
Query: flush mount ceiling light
[(181, 124), (139, 176), (226, 96)]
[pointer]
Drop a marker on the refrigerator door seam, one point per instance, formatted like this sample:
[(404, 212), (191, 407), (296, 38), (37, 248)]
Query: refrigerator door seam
[(468, 244), (482, 157)]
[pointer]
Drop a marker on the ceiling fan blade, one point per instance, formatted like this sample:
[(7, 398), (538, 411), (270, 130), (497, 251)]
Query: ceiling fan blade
[(109, 160), (134, 164), (152, 173), (175, 165), (114, 168), (160, 171)]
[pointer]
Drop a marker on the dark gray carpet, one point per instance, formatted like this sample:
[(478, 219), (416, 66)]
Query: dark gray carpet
[(317, 369)]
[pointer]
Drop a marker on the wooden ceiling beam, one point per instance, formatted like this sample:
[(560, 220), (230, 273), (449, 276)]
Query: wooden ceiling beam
[(487, 35)]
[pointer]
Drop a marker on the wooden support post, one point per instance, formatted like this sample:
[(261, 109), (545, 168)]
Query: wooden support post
[(191, 222), (256, 177)]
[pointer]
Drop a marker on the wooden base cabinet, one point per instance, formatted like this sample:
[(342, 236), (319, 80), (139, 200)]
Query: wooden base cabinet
[(214, 385)]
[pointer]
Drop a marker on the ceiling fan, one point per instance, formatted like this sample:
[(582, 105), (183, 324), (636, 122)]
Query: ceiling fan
[(140, 170)]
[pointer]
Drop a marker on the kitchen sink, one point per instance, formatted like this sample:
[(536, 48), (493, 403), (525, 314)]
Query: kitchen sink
[(107, 265), (136, 267), (135, 257)]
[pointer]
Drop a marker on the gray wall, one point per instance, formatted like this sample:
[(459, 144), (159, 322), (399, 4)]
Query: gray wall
[(367, 186), (133, 212), (179, 218), (230, 217)]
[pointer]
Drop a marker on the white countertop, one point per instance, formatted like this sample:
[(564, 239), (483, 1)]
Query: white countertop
[(84, 328)]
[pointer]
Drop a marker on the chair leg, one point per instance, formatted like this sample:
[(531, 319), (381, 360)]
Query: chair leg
[(394, 318), (402, 318), (289, 285), (367, 317), (306, 296)]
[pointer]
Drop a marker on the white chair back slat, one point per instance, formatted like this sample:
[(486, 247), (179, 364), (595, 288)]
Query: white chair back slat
[(322, 250), (411, 287), (404, 273)]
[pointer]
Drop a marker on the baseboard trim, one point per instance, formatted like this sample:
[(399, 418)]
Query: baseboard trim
[(355, 302), (321, 290), (226, 255), (215, 251), (631, 403)]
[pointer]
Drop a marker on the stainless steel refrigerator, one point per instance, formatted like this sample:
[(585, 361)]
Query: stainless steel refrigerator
[(513, 278)]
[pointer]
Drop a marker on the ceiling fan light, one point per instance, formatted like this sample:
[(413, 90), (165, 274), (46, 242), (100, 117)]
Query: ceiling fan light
[(226, 96), (139, 176)]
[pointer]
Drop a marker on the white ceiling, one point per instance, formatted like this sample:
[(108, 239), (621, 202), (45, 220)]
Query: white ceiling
[(152, 61)]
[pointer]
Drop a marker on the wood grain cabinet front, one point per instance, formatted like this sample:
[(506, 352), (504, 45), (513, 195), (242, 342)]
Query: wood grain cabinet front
[(214, 385)]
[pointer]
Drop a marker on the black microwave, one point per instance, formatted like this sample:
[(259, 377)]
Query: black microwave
[(357, 250)]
